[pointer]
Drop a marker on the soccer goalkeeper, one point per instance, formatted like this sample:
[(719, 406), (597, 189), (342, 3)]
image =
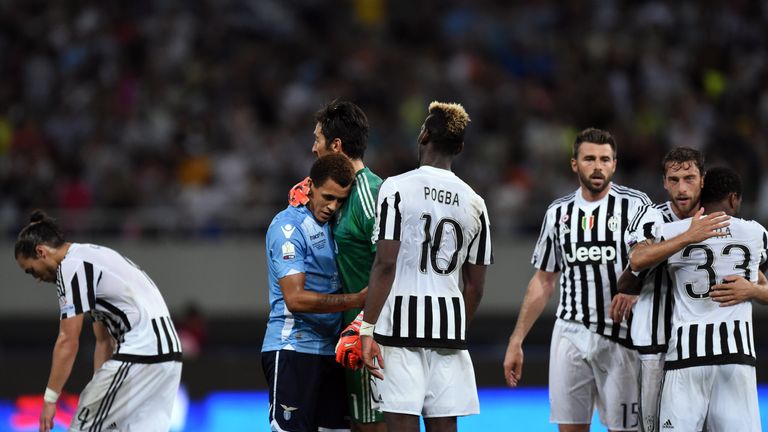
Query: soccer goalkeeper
[(342, 127)]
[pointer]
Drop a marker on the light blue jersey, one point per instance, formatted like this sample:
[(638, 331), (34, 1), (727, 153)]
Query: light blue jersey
[(297, 243)]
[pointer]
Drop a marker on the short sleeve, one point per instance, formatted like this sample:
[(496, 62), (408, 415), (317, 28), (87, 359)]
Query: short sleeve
[(480, 251), (646, 225), (546, 254), (388, 213), (286, 249), (76, 285), (763, 244)]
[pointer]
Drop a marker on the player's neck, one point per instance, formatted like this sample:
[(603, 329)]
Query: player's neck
[(61, 252), (590, 196), (357, 165), (436, 160), (681, 215)]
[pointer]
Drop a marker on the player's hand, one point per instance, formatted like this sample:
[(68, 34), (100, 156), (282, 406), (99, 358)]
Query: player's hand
[(349, 351), (46, 416), (372, 357), (513, 364), (704, 227), (621, 307), (732, 291), (299, 194)]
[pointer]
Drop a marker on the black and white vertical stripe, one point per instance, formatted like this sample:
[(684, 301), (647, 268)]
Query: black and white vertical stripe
[(390, 218), (427, 322), (589, 255), (83, 288), (480, 248), (725, 342)]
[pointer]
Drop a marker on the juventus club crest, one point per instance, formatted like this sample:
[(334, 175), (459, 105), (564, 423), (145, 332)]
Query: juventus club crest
[(613, 223), (587, 222)]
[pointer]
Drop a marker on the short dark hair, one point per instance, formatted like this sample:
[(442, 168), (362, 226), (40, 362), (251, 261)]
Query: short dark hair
[(718, 184), (41, 229), (347, 122), (594, 136), (334, 166), (680, 155)]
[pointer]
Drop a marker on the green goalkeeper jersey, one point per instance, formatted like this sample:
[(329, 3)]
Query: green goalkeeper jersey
[(353, 231)]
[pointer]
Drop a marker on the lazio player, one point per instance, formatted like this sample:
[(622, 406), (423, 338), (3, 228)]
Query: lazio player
[(342, 127)]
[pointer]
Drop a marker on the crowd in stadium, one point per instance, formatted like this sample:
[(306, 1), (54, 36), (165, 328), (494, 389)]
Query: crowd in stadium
[(146, 117)]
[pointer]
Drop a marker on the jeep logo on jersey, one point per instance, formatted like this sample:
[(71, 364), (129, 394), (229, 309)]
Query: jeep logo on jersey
[(594, 252)]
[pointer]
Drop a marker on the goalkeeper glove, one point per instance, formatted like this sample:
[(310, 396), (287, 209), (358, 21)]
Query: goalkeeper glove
[(349, 349), (299, 194)]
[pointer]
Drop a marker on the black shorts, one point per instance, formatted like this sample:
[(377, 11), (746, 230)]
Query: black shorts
[(306, 391)]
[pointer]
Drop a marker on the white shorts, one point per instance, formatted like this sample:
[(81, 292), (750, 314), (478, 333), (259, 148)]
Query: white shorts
[(651, 377), (124, 397), (586, 369), (430, 382), (726, 395)]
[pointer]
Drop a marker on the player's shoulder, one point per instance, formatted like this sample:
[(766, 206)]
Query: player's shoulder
[(80, 253), (368, 179), (632, 194), (287, 220), (747, 224), (566, 199)]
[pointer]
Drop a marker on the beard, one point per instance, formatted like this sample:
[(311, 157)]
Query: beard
[(588, 181)]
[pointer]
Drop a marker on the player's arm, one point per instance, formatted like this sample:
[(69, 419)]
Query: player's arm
[(629, 287), (298, 299), (647, 254), (105, 345), (64, 354), (540, 289), (379, 286), (736, 289), (473, 276)]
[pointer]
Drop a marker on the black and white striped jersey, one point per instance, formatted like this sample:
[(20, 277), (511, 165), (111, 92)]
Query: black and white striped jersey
[(441, 223), (703, 333), (112, 289), (652, 314), (585, 242)]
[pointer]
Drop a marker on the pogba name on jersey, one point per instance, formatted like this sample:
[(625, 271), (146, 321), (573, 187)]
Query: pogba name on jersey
[(441, 196), (592, 252)]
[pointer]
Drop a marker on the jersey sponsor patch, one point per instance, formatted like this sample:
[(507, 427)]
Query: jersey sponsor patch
[(591, 252), (289, 251), (67, 309)]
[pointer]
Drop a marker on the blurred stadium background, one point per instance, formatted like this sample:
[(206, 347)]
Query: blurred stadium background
[(173, 129)]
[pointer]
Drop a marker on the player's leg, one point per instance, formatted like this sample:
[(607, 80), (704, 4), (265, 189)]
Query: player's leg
[(451, 387), (403, 388), (294, 386), (733, 405), (96, 399), (572, 388), (651, 376), (332, 412), (684, 399), (362, 398), (153, 392), (401, 422), (440, 424), (616, 369)]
